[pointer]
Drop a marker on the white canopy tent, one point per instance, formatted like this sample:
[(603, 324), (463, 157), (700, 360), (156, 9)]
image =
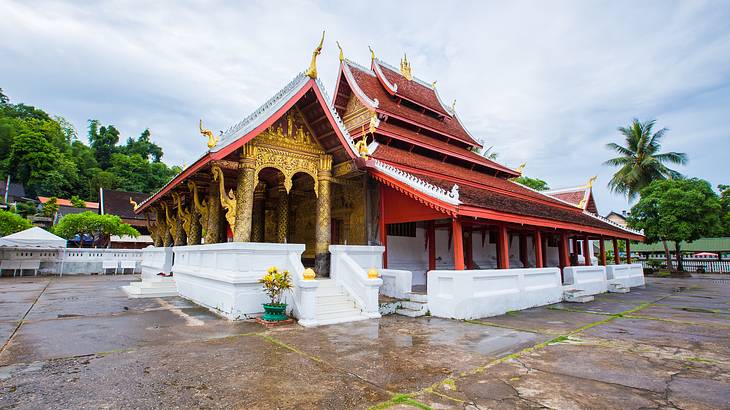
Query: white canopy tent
[(33, 237)]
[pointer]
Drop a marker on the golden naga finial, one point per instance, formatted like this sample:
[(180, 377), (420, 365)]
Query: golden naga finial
[(212, 139), (372, 53), (362, 145), (433, 85), (373, 125), (342, 55), (312, 70), (593, 179), (133, 203), (405, 68), (453, 105), (521, 168)]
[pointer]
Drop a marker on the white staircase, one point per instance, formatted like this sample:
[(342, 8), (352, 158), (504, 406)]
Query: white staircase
[(335, 305), (415, 306), (156, 288), (617, 287), (577, 296)]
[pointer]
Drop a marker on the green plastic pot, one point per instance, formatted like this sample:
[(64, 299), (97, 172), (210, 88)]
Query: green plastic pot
[(275, 313)]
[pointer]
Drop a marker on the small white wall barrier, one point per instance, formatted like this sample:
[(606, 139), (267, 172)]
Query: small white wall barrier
[(224, 277), (349, 267), (589, 279), (396, 283), (156, 260), (628, 275), (85, 261), (471, 294), (18, 259)]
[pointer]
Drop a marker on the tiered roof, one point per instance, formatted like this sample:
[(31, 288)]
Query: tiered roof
[(580, 197)]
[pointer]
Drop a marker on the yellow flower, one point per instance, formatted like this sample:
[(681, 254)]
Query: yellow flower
[(272, 269)]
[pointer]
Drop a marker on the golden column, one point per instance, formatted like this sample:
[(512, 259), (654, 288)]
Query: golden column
[(181, 238), (245, 186), (282, 211), (259, 213), (322, 233), (215, 214)]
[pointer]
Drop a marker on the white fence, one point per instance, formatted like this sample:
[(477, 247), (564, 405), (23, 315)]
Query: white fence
[(470, 294), (74, 261), (589, 279), (224, 277)]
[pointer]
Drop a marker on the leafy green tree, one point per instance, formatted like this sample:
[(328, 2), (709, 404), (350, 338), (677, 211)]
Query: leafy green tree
[(50, 208), (77, 202), (677, 210), (144, 147), (96, 226), (534, 183), (725, 204), (25, 209), (11, 223), (103, 140), (639, 161)]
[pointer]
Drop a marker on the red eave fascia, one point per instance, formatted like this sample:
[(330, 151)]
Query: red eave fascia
[(448, 209), (477, 185), (476, 212), (423, 126)]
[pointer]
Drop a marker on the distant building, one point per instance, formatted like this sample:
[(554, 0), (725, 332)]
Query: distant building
[(121, 204), (619, 218), (65, 207), (720, 247), (11, 193)]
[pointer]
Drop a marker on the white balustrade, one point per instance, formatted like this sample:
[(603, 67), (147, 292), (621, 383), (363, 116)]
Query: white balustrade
[(627, 275), (589, 279), (349, 267)]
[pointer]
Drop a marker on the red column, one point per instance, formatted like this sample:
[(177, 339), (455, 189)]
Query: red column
[(431, 246), (602, 251), (587, 252), (458, 238), (383, 230), (628, 251), (563, 250), (616, 256), (538, 249), (523, 251), (503, 245)]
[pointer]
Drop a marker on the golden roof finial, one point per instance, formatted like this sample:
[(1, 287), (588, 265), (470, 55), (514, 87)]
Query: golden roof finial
[(593, 179), (433, 85), (453, 105), (312, 70), (212, 139), (362, 145), (373, 122), (372, 53), (342, 55), (405, 68), (133, 203), (521, 167)]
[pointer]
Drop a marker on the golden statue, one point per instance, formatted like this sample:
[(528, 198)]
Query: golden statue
[(433, 85), (228, 200), (593, 179), (171, 222), (212, 139), (201, 207), (362, 145), (182, 213), (372, 53), (405, 68), (133, 203), (312, 70)]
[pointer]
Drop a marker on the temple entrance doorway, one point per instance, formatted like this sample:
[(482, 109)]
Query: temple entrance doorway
[(285, 217)]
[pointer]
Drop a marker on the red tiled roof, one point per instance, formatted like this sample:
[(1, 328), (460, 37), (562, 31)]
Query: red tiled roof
[(438, 145), (67, 202), (412, 89), (573, 197), (372, 87)]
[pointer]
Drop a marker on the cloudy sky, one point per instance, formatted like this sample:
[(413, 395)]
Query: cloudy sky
[(545, 83)]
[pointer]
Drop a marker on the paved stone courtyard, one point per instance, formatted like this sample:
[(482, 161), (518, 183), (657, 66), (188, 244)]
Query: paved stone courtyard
[(78, 342)]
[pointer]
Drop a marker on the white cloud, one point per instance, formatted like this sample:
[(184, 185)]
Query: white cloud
[(546, 83)]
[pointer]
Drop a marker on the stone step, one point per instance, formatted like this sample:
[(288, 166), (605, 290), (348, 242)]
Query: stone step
[(414, 305), (410, 312), (335, 304), (150, 289), (331, 291), (417, 297), (578, 298), (617, 288), (328, 319)]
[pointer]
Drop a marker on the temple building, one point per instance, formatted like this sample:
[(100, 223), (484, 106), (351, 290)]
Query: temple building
[(383, 162)]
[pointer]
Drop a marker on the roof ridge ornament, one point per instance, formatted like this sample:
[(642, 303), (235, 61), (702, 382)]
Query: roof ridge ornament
[(405, 68), (212, 139), (133, 203), (593, 179), (433, 84), (372, 53), (521, 168), (342, 55), (453, 105), (312, 70)]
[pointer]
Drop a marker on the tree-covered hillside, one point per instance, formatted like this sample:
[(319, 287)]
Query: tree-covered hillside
[(45, 154)]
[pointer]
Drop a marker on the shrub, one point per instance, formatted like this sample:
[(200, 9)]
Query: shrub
[(11, 223)]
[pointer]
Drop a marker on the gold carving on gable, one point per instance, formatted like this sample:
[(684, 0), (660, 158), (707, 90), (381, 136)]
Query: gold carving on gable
[(356, 114), (291, 133)]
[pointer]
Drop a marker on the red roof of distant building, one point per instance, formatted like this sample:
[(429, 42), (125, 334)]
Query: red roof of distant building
[(67, 202), (581, 197)]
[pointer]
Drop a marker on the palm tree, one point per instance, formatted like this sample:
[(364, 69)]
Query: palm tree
[(640, 161)]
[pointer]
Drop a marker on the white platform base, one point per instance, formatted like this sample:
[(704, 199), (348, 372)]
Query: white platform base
[(335, 305), (163, 287)]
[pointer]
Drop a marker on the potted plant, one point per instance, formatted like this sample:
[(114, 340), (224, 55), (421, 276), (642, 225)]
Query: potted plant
[(275, 283)]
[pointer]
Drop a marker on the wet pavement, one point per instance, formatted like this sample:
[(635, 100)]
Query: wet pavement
[(78, 342)]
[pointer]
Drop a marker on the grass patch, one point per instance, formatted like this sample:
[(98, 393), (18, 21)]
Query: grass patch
[(699, 310), (406, 399), (699, 360)]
